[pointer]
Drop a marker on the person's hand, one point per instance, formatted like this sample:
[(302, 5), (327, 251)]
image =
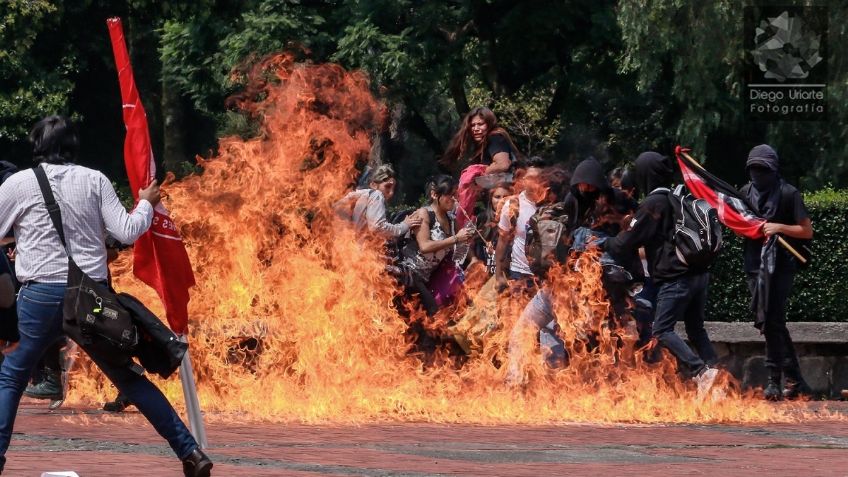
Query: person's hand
[(595, 241), (11, 252), (151, 193), (771, 228), (464, 235), (625, 221), (413, 220), (8, 346)]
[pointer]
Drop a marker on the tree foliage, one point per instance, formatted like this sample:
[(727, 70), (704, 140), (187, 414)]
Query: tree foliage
[(568, 78)]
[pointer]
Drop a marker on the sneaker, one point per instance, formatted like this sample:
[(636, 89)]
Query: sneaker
[(49, 388), (797, 390), (118, 405), (705, 380)]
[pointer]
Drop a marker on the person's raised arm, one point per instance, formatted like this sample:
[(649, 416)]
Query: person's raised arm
[(500, 163), (127, 227), (427, 245), (642, 229), (375, 215)]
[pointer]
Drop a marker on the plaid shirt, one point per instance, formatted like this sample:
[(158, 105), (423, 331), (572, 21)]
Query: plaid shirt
[(90, 210)]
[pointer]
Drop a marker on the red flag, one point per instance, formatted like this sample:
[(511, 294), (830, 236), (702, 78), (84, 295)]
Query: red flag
[(733, 208), (159, 256)]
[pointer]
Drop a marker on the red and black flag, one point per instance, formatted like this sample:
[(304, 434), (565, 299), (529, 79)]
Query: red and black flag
[(734, 210)]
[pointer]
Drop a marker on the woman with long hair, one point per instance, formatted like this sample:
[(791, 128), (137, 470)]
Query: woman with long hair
[(434, 240), (488, 147)]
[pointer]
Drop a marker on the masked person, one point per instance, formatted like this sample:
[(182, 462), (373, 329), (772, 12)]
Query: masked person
[(90, 209), (681, 290), (596, 211), (782, 206)]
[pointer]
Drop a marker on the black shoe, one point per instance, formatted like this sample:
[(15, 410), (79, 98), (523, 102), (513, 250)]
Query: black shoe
[(797, 389), (197, 464), (772, 391), (49, 388), (118, 405)]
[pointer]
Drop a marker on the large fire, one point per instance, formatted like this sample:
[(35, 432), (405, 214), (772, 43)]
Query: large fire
[(294, 320)]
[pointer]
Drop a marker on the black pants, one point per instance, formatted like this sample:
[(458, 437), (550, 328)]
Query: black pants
[(780, 352), (684, 299), (425, 295)]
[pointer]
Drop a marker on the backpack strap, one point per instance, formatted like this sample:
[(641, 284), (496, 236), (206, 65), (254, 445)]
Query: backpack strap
[(52, 207), (431, 215)]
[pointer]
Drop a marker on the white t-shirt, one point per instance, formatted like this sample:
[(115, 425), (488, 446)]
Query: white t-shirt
[(526, 209)]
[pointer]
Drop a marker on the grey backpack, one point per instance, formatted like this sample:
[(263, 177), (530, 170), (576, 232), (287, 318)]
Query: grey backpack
[(697, 234)]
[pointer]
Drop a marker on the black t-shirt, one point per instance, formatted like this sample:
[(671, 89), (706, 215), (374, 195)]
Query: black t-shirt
[(790, 211), (495, 144)]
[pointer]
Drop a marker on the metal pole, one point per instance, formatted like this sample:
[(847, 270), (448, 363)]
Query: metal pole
[(195, 416)]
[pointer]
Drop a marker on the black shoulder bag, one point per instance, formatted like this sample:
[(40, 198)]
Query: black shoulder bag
[(93, 317)]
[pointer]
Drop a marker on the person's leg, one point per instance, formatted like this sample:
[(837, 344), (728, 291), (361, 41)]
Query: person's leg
[(427, 300), (40, 324), (524, 335), (695, 317), (672, 301), (643, 311), (784, 356), (774, 328), (773, 390), (47, 376), (152, 404)]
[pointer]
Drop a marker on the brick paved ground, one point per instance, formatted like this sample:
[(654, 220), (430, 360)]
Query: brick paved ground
[(94, 444)]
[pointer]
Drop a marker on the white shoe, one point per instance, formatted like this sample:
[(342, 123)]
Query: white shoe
[(705, 380)]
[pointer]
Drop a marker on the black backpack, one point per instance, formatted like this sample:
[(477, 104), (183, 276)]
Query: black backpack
[(6, 170), (696, 234)]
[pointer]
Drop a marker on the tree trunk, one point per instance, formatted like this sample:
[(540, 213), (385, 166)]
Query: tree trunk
[(173, 132), (457, 89)]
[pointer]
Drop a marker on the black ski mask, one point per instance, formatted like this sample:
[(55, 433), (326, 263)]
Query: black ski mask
[(763, 179)]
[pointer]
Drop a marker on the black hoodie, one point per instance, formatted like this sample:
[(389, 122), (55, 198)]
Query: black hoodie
[(652, 225), (585, 214)]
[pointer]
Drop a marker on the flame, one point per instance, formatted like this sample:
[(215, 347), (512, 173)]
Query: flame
[(293, 318)]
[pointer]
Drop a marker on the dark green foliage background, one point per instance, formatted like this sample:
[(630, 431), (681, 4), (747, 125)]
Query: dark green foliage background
[(819, 291)]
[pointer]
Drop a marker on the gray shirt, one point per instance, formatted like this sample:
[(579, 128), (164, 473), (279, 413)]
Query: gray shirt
[(366, 208), (90, 209)]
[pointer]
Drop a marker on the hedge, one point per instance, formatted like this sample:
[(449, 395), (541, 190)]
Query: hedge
[(819, 292)]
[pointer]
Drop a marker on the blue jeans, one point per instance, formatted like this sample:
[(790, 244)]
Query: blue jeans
[(684, 299), (40, 325), (537, 318)]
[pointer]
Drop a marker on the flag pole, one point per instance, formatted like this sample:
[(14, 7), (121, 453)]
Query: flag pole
[(195, 416), (162, 243), (780, 239)]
